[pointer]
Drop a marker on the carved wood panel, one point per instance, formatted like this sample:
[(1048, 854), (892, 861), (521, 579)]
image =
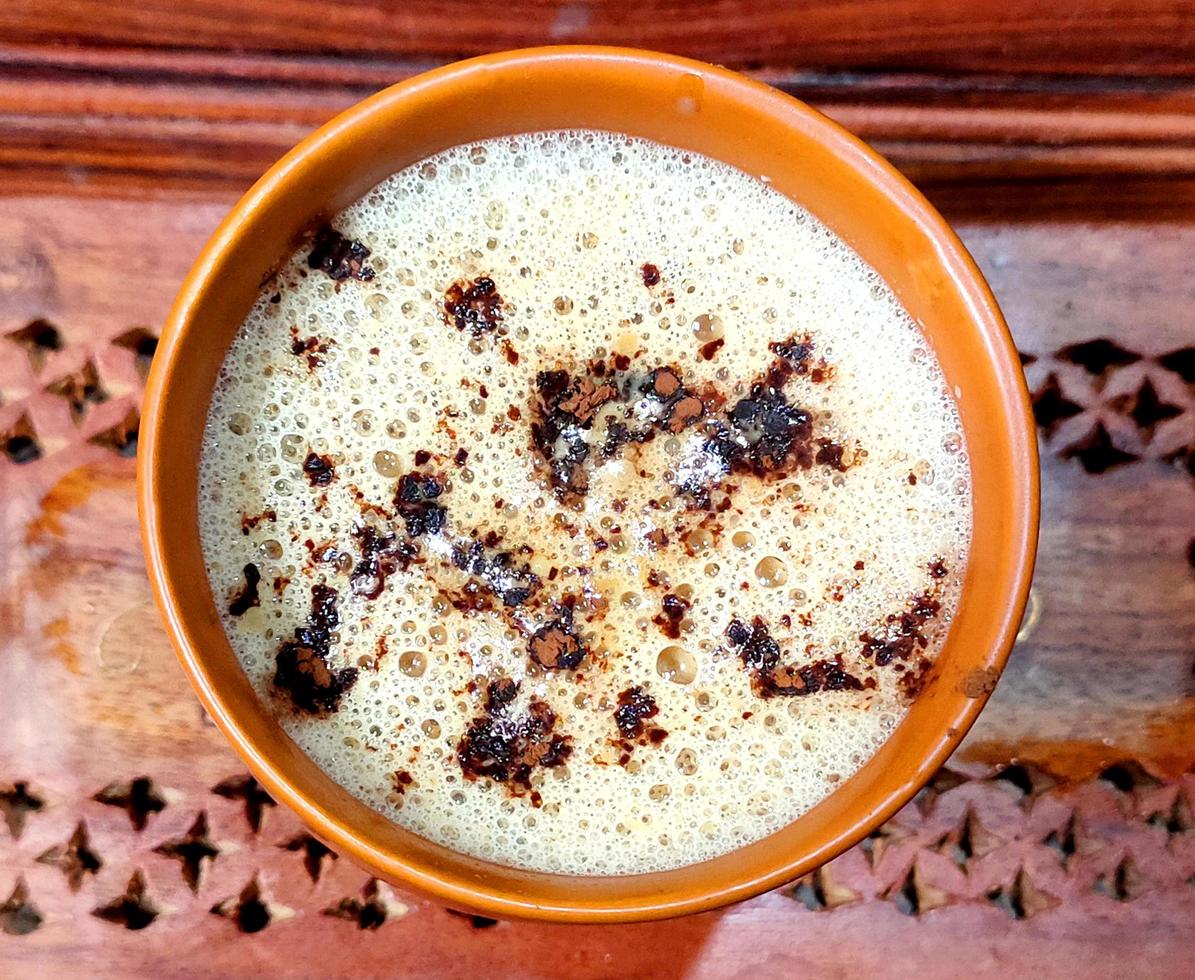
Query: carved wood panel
[(133, 837)]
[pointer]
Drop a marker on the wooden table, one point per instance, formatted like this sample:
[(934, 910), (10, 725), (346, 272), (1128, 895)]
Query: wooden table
[(1060, 839)]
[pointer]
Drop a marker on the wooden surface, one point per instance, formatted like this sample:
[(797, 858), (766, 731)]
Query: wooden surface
[(1060, 839)]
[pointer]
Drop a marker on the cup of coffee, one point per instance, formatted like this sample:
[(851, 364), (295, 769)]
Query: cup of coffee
[(589, 485)]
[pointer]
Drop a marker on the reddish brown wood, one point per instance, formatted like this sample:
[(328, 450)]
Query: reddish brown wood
[(1152, 37), (101, 119)]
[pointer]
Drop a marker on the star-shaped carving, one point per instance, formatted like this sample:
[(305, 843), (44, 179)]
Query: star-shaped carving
[(1181, 362), (969, 840), (1146, 409), (819, 891), (1064, 840), (476, 921), (142, 343), (1051, 407), (942, 781), (248, 789), (139, 798), (1098, 357), (1177, 819), (16, 803), (1021, 898), (1096, 453), (121, 437), (1026, 780), (1128, 776), (81, 390), (192, 849), (249, 911), (19, 441), (1123, 883), (314, 853), (75, 858), (879, 840), (913, 895), (373, 909), (18, 915), (39, 338), (134, 909)]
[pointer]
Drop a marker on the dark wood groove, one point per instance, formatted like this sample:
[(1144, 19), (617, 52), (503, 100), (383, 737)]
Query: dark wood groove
[(1117, 37)]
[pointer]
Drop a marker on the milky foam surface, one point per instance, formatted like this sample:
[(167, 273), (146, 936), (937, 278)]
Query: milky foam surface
[(563, 223)]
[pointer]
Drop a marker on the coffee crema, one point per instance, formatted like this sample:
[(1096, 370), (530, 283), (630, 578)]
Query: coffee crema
[(583, 504)]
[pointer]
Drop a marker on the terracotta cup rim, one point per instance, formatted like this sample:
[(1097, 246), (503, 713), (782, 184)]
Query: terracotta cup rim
[(936, 273)]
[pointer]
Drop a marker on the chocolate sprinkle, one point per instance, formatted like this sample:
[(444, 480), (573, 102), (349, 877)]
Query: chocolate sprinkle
[(555, 645), (769, 677), (512, 583), (415, 501), (302, 671), (635, 705), (247, 597), (474, 306), (506, 747), (318, 469), (341, 258)]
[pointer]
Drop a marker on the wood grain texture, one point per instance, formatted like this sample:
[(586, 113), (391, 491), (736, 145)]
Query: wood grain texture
[(96, 120), (1138, 37)]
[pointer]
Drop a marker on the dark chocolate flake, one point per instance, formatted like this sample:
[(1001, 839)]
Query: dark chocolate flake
[(555, 646), (673, 609), (760, 653), (829, 454), (247, 597), (821, 675), (635, 706), (318, 469), (506, 746), (302, 669), (767, 434), (474, 306), (381, 555), (415, 501), (794, 353), (902, 633), (340, 257), (499, 572)]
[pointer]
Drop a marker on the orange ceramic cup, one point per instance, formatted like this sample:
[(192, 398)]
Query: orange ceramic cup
[(686, 104)]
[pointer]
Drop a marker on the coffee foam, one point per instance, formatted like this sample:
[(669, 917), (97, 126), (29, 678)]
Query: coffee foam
[(563, 223)]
